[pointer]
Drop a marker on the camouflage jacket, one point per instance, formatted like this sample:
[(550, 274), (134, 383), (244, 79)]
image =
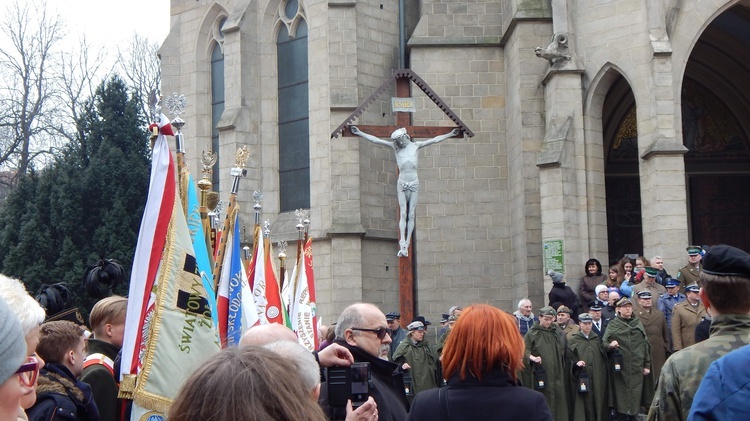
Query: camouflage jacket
[(684, 370)]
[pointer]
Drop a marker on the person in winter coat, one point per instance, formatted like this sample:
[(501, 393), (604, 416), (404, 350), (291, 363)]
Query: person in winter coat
[(481, 358), (524, 317), (62, 345), (587, 355), (631, 383), (656, 330), (561, 293), (545, 349), (416, 357), (593, 277)]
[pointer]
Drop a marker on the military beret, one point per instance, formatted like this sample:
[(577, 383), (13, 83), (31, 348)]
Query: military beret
[(563, 309), (692, 288), (724, 260), (644, 294), (651, 271), (624, 302), (594, 305), (585, 318), (671, 283), (392, 316), (547, 311), (693, 250)]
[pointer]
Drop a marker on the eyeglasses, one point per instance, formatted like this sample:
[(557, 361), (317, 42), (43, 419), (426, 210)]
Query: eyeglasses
[(29, 371), (381, 331)]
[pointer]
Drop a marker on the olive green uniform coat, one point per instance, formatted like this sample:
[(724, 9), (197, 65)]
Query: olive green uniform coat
[(629, 388), (684, 370), (685, 317), (421, 359), (550, 345), (593, 405), (658, 336)]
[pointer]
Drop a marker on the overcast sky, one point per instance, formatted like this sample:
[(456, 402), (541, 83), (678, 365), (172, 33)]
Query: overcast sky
[(109, 22)]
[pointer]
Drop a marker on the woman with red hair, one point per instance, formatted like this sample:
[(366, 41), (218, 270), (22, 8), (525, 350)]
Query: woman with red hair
[(480, 360)]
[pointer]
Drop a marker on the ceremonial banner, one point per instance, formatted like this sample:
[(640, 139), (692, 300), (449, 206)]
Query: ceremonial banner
[(304, 312), (195, 225), (237, 311), (265, 287), (151, 238), (169, 325)]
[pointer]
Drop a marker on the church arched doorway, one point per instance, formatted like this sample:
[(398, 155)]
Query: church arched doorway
[(622, 183), (715, 99)]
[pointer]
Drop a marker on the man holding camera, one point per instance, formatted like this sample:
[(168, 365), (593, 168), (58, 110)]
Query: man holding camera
[(362, 329)]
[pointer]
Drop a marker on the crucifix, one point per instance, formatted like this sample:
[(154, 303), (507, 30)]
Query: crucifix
[(406, 151)]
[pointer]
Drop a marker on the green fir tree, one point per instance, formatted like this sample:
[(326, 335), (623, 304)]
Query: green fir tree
[(84, 206)]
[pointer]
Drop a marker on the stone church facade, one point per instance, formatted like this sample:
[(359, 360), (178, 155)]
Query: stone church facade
[(603, 127)]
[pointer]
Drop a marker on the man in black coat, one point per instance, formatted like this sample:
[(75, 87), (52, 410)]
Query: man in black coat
[(362, 329)]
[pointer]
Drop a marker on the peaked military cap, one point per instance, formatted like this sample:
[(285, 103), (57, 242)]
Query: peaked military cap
[(585, 318), (693, 250), (547, 311), (692, 288), (644, 294), (392, 316), (623, 302), (671, 283), (651, 271), (594, 305)]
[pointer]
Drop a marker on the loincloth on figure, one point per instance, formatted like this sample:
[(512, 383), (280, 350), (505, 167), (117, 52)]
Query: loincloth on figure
[(408, 186)]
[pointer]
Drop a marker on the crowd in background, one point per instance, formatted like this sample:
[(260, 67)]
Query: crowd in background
[(635, 341)]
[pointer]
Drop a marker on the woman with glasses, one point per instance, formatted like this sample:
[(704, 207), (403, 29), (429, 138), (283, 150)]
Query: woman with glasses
[(14, 377), (30, 314), (480, 360)]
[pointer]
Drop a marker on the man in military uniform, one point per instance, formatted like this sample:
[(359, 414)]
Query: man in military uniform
[(685, 317), (587, 356), (545, 348), (394, 323), (668, 301), (725, 281), (632, 383), (565, 322), (649, 283), (656, 330), (598, 323), (688, 274)]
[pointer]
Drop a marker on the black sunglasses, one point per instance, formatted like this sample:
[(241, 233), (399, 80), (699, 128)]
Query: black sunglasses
[(381, 331)]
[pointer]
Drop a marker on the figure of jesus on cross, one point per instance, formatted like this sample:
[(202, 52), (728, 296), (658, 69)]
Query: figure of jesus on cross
[(407, 155)]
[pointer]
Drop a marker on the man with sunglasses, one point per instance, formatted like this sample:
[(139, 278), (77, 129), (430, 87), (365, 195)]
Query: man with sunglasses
[(60, 395), (12, 357), (362, 329)]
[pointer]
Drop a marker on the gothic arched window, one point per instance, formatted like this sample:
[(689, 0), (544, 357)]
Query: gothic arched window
[(294, 130)]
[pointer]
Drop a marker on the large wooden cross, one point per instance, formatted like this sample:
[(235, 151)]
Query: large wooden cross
[(403, 79)]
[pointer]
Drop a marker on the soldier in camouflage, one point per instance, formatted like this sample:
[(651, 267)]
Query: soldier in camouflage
[(725, 282)]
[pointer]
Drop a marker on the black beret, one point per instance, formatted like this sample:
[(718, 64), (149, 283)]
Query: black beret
[(724, 260)]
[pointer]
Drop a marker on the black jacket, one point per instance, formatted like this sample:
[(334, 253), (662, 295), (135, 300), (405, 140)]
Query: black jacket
[(386, 387), (102, 381), (561, 293), (59, 396), (494, 398)]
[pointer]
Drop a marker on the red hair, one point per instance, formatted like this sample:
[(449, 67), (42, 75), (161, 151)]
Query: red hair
[(483, 338)]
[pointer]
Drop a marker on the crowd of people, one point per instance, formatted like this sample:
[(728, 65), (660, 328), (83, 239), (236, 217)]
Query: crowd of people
[(626, 344)]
